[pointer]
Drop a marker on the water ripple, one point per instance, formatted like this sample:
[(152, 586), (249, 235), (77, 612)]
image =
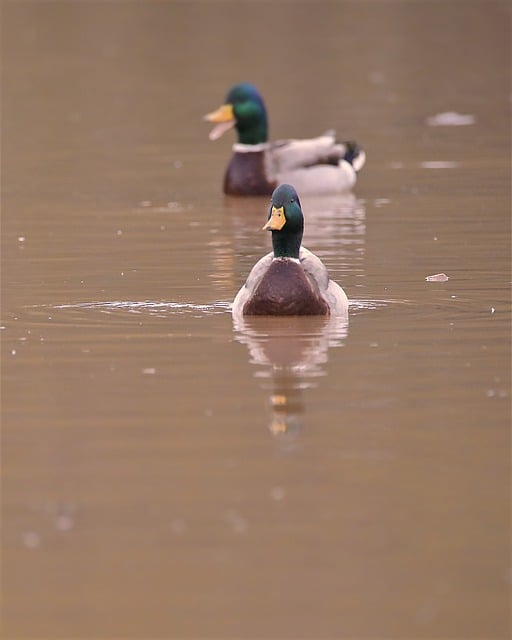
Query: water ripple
[(143, 306), (371, 305)]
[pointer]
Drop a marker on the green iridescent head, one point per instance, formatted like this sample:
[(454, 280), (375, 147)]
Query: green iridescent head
[(245, 110), (286, 221)]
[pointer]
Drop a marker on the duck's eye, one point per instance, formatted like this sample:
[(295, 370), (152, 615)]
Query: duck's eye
[(292, 200)]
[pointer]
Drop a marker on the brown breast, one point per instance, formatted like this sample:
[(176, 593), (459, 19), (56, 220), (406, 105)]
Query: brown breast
[(285, 290), (245, 175)]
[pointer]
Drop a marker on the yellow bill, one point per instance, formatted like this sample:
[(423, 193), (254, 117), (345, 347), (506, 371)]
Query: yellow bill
[(224, 119), (276, 221)]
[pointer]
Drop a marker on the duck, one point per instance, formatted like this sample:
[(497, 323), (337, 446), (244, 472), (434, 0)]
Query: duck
[(257, 166), (290, 280)]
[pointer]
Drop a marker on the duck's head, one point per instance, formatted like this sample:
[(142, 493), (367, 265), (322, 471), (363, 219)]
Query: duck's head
[(244, 109), (286, 221)]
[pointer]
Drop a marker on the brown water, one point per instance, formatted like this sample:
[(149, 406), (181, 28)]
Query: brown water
[(169, 475)]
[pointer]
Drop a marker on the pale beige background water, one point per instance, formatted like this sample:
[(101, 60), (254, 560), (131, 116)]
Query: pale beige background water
[(154, 485)]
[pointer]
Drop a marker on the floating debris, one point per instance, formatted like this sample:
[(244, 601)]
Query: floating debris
[(437, 277), (149, 371), (439, 164), (496, 393), (451, 119)]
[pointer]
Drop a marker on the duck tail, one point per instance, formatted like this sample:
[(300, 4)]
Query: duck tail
[(354, 155)]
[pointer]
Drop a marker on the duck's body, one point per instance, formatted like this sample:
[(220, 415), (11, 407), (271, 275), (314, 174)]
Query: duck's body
[(290, 280), (318, 165), (286, 286)]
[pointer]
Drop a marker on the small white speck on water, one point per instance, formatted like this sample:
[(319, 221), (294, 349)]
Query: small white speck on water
[(453, 296), (435, 237), (122, 273), (21, 238), (31, 539), (277, 493), (237, 522), (377, 77), (13, 352), (374, 344), (178, 525), (493, 309), (81, 282), (63, 522), (49, 317), (145, 203), (119, 232)]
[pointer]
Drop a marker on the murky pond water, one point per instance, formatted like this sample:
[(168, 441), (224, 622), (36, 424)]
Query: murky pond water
[(167, 474)]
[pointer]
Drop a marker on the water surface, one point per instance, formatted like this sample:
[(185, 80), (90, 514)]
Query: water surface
[(168, 474)]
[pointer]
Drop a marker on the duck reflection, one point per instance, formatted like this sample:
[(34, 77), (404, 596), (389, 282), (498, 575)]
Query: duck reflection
[(291, 353), (335, 223)]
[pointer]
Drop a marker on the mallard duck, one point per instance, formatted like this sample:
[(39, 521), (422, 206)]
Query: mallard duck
[(317, 165), (290, 280)]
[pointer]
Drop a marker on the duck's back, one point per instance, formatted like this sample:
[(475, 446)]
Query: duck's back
[(285, 290)]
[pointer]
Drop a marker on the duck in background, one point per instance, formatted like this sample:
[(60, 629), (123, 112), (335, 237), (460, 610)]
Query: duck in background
[(290, 280), (316, 166)]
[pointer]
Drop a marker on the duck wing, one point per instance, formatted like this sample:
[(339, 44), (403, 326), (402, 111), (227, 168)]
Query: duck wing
[(331, 291), (253, 279), (314, 268), (287, 155)]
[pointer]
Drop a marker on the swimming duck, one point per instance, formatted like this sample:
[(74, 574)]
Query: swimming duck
[(290, 280), (318, 165)]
